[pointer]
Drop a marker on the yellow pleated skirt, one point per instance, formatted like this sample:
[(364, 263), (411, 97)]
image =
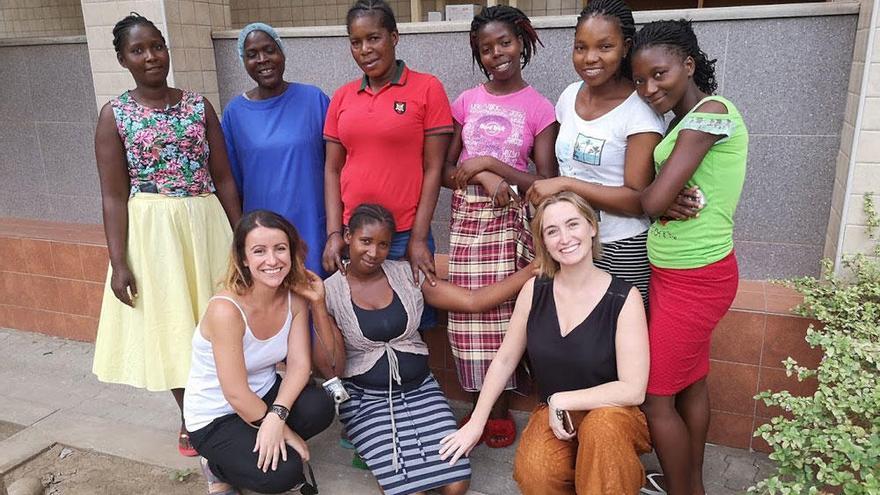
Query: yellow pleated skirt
[(178, 250)]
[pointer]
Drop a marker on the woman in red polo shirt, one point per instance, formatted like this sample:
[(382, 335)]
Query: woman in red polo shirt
[(387, 135)]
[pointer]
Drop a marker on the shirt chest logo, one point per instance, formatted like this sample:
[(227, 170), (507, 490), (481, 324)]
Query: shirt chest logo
[(400, 107)]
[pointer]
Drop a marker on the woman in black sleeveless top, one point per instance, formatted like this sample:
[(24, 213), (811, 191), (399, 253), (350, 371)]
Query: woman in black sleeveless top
[(587, 338)]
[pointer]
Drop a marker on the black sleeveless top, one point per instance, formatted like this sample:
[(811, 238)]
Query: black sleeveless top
[(382, 325), (585, 357)]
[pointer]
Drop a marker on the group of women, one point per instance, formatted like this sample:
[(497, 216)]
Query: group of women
[(554, 205)]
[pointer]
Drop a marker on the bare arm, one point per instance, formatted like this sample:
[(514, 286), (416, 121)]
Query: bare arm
[(631, 348), (420, 257), (328, 348), (452, 156), (451, 297), (334, 160), (504, 363), (218, 164), (115, 185), (544, 157), (623, 200), (690, 149)]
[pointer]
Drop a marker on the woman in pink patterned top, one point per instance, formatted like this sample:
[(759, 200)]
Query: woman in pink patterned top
[(169, 199), (499, 127)]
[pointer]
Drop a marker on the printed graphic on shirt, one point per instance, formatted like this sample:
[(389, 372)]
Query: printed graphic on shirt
[(588, 150), (494, 130), (400, 107)]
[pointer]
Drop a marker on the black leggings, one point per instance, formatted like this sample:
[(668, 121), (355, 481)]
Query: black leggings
[(228, 443)]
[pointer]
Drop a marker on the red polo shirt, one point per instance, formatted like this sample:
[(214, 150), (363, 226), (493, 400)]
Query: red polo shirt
[(384, 136)]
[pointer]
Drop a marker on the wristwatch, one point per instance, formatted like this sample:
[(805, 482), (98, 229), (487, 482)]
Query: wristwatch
[(280, 410)]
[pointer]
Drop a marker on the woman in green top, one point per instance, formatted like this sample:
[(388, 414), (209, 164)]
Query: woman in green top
[(693, 267)]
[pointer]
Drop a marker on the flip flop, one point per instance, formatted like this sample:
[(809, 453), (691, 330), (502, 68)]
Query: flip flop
[(500, 433), (184, 446), (655, 488), (212, 479), (358, 462)]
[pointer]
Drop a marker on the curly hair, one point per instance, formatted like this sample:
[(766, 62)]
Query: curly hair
[(121, 29), (620, 11), (679, 37), (372, 7), (516, 20)]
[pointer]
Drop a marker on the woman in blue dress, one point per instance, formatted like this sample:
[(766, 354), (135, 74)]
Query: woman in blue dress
[(274, 139)]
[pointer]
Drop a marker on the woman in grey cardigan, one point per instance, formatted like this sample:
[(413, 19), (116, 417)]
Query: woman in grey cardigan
[(397, 413)]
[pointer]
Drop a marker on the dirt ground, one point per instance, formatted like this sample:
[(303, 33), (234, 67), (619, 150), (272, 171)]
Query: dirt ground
[(67, 471), (8, 429)]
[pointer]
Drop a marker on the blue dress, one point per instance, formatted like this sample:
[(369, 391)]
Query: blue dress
[(276, 150)]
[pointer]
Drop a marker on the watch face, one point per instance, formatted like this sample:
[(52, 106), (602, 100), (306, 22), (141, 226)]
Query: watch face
[(281, 411)]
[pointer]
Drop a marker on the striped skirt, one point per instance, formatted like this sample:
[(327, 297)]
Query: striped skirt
[(422, 417), (628, 259), (486, 244)]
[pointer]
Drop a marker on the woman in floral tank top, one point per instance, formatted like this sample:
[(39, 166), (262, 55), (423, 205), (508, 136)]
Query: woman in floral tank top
[(161, 159)]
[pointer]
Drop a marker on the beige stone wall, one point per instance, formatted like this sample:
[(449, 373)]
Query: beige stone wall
[(39, 18), (332, 12), (187, 26), (858, 160)]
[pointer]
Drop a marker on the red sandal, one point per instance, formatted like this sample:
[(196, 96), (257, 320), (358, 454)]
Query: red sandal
[(184, 446), (500, 433), (467, 418)]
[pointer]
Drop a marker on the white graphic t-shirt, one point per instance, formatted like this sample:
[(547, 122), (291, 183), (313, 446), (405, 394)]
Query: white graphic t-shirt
[(595, 151)]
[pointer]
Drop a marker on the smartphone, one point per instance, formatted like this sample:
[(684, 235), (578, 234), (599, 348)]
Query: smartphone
[(567, 424)]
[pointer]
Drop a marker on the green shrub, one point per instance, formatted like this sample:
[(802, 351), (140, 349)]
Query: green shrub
[(830, 441)]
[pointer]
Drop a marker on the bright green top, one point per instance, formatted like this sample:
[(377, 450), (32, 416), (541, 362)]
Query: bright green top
[(700, 241)]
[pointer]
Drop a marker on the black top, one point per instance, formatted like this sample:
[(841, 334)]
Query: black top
[(382, 325), (585, 357)]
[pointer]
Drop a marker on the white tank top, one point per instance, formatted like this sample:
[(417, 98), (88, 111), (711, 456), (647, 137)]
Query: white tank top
[(204, 400)]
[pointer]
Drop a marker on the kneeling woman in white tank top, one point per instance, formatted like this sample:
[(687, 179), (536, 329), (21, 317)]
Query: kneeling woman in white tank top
[(247, 423)]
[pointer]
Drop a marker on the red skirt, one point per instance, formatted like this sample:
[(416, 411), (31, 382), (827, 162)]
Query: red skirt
[(686, 305)]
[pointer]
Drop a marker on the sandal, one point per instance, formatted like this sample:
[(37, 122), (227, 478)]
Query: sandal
[(214, 480), (344, 442), (358, 462), (500, 433), (184, 446), (464, 421), (653, 487)]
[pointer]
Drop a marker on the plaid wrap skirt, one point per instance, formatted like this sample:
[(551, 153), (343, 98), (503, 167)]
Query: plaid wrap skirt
[(486, 244)]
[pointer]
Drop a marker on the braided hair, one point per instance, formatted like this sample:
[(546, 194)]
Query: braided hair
[(516, 20), (121, 29), (679, 37), (371, 214), (620, 11), (372, 7)]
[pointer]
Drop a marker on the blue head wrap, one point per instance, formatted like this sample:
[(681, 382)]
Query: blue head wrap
[(257, 26)]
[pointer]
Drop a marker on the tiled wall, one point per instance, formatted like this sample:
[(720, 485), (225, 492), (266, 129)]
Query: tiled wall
[(302, 12), (858, 165), (187, 26), (47, 124), (51, 277), (794, 117), (40, 18), (857, 170), (330, 13)]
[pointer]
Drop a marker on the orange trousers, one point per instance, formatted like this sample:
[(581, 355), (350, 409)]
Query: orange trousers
[(602, 460)]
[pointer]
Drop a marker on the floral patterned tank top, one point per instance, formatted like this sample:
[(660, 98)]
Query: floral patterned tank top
[(166, 149)]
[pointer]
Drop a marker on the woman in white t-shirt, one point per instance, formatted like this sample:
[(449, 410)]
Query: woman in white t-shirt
[(606, 139)]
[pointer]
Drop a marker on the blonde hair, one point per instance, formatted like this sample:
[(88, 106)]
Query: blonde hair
[(547, 265), (238, 276)]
